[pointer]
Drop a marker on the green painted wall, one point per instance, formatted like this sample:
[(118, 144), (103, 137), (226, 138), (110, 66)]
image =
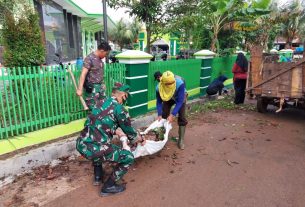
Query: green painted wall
[(223, 66)]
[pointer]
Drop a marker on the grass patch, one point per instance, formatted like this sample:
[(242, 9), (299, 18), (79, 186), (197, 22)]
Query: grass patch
[(221, 104)]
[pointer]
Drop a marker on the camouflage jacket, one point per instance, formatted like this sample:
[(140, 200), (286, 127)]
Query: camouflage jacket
[(107, 115), (95, 68)]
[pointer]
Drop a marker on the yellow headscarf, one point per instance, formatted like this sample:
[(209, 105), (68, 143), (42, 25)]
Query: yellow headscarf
[(166, 89)]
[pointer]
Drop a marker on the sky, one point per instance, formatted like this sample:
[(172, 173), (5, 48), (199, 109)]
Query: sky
[(96, 7), (283, 2), (116, 15)]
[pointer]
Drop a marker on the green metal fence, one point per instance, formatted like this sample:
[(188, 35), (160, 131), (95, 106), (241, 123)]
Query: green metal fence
[(188, 69), (114, 73), (39, 97)]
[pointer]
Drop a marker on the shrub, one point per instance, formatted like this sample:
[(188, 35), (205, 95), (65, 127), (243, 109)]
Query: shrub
[(22, 40)]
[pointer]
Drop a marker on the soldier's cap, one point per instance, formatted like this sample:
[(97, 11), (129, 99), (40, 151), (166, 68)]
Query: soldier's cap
[(157, 74), (121, 87)]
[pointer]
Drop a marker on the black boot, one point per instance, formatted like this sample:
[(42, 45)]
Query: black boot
[(98, 174), (111, 188)]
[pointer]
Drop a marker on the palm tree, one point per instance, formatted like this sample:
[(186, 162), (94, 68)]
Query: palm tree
[(121, 35), (135, 28), (292, 15), (125, 33)]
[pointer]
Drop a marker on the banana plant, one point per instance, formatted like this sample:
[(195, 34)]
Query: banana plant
[(221, 12), (259, 20)]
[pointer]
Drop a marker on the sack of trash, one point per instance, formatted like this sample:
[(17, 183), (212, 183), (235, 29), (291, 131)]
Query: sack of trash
[(161, 128)]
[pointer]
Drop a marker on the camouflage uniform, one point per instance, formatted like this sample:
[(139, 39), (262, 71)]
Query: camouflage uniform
[(94, 79), (94, 142)]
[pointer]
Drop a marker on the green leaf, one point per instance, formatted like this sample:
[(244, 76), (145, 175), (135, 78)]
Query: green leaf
[(261, 4)]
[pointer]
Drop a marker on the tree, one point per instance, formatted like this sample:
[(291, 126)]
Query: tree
[(261, 21), (222, 12), (135, 28), (22, 39), (150, 12), (292, 15), (121, 34), (228, 40), (125, 34), (182, 18), (5, 6), (203, 19)]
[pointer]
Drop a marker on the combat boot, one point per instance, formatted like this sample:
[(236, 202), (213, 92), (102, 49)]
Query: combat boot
[(111, 188), (181, 137), (98, 173)]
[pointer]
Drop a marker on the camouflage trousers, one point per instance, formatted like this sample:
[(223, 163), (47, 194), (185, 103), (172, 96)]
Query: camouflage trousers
[(106, 152), (98, 92)]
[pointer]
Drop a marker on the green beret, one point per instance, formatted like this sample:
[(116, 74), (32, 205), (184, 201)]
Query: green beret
[(121, 87)]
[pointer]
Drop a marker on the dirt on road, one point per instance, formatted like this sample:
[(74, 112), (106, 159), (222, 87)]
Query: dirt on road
[(232, 158)]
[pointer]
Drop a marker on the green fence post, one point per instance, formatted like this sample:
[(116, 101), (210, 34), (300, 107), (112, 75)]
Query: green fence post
[(137, 64), (174, 46), (141, 38), (206, 57)]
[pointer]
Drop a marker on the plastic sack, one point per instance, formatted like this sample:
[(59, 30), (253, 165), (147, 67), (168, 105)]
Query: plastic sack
[(151, 147), (124, 141)]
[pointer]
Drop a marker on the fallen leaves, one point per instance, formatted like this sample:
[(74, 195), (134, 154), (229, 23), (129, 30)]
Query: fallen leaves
[(174, 156), (191, 162), (174, 163), (230, 163), (220, 140), (274, 124)]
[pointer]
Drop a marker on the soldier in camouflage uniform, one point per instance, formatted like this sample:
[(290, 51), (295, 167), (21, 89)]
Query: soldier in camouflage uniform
[(92, 76), (95, 144), (92, 80)]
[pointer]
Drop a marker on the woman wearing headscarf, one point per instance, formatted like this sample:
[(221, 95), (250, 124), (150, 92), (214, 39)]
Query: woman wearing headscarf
[(171, 91), (240, 70)]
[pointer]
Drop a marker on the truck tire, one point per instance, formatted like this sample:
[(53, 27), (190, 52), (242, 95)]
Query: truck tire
[(261, 105)]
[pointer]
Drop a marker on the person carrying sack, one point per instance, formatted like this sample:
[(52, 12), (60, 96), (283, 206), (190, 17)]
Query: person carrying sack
[(94, 142), (92, 80), (171, 91)]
